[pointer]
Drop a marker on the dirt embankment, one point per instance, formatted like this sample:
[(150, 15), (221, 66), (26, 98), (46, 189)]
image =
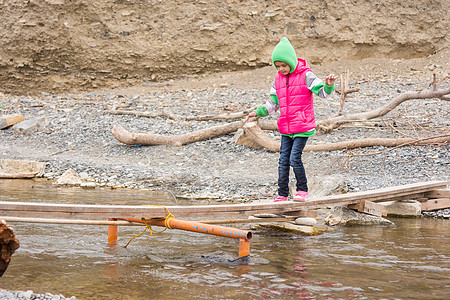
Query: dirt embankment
[(61, 45)]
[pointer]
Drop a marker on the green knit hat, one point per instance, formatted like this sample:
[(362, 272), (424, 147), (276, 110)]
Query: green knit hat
[(284, 52)]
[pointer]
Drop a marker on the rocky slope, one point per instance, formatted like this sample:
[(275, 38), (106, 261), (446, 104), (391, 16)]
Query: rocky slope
[(61, 45)]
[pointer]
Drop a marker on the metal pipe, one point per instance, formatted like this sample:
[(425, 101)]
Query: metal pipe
[(244, 247), (196, 227), (172, 223), (112, 234)]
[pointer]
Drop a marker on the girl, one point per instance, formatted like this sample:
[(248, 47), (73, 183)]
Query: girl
[(292, 93)]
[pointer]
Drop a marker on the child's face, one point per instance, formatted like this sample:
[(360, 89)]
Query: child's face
[(283, 67)]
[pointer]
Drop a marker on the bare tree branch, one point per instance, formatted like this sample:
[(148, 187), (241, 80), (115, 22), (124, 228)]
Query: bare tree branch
[(129, 138), (385, 142), (332, 123), (170, 115), (254, 130)]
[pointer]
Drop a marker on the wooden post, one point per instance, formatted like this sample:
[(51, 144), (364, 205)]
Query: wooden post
[(433, 204), (370, 208), (112, 233)]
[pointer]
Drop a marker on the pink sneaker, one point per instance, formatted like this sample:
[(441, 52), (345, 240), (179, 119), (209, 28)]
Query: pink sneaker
[(280, 198), (301, 196)]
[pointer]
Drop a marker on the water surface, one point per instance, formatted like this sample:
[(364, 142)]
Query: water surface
[(408, 261)]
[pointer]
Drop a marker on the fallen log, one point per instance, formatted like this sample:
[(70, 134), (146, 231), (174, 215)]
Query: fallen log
[(256, 134), (333, 123), (151, 114), (8, 120), (255, 131), (385, 142), (8, 245), (129, 138)]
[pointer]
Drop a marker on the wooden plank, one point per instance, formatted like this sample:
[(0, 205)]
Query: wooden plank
[(422, 199), (126, 223), (24, 209), (8, 120), (67, 221), (370, 208), (408, 191), (357, 206), (311, 214), (434, 204), (437, 194), (375, 209)]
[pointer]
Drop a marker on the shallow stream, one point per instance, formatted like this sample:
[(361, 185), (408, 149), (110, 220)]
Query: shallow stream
[(408, 261)]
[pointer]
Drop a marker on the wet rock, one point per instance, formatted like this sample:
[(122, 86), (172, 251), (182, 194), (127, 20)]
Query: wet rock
[(320, 186), (88, 185), (13, 166), (306, 221), (19, 295), (341, 215), (69, 178), (440, 213), (294, 228), (8, 245), (408, 208)]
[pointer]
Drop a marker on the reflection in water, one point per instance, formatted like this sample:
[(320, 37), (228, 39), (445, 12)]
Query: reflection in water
[(409, 261)]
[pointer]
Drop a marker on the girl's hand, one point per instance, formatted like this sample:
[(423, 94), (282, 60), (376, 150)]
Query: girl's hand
[(250, 115), (330, 79)]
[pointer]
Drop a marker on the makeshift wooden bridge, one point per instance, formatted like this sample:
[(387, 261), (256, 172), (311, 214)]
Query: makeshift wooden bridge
[(433, 195)]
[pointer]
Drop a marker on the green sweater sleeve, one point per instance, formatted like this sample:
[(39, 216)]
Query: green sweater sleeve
[(329, 88), (322, 87), (262, 110), (317, 86)]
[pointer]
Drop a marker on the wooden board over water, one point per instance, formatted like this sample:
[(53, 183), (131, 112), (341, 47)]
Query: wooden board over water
[(48, 210)]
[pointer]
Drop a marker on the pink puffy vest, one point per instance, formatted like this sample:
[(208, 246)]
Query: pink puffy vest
[(295, 100)]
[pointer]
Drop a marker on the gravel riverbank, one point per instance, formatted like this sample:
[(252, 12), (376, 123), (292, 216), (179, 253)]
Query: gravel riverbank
[(79, 134), (29, 295)]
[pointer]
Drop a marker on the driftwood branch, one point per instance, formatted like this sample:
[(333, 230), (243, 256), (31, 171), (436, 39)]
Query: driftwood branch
[(254, 130), (344, 87), (129, 138), (332, 123), (385, 142), (352, 90), (258, 136), (170, 115)]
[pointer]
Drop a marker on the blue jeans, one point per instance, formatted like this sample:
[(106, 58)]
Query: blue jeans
[(291, 155)]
